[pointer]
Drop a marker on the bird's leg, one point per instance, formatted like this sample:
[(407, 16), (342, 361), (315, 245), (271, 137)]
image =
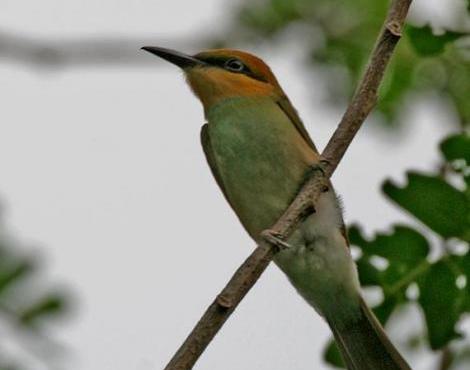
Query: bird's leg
[(275, 238), (321, 168)]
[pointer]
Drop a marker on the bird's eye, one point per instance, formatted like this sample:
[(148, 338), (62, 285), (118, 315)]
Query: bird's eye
[(234, 65)]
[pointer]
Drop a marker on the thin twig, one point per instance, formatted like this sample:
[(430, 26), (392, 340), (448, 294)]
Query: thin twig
[(246, 276), (446, 359), (55, 54)]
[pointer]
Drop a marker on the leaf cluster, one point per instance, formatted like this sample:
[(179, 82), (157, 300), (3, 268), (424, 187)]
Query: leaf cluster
[(407, 267), (338, 36), (26, 306)]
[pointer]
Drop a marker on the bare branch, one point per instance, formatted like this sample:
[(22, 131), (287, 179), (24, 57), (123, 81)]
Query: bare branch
[(446, 359), (246, 276), (56, 53)]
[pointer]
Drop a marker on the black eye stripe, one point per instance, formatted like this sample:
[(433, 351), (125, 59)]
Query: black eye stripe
[(221, 62), (224, 61)]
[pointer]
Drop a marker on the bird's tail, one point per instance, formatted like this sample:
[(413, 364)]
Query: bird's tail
[(365, 346)]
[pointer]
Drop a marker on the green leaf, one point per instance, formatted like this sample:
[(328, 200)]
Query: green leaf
[(391, 246), (463, 263), (403, 245), (355, 236), (368, 273), (14, 273), (398, 80), (384, 310), (404, 252), (434, 202), (332, 356), (403, 249), (442, 303), (49, 305), (426, 43), (457, 147)]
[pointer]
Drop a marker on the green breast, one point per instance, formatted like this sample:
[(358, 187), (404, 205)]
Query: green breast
[(260, 157)]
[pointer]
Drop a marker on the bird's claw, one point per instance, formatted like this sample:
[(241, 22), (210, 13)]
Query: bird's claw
[(275, 238), (320, 167)]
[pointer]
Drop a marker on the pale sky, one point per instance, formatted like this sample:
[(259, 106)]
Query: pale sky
[(103, 174)]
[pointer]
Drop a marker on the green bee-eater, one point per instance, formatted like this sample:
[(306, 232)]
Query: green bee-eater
[(260, 152)]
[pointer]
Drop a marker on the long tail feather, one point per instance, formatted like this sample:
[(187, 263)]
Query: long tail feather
[(364, 344)]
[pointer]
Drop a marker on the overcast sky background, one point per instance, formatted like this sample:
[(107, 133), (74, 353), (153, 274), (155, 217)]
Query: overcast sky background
[(101, 171)]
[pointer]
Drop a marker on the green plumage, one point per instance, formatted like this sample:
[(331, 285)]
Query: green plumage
[(258, 158), (259, 153)]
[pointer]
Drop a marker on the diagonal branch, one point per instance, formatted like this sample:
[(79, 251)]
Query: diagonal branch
[(248, 273), (446, 359)]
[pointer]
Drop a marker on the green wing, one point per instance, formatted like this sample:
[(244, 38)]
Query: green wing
[(293, 116), (206, 146)]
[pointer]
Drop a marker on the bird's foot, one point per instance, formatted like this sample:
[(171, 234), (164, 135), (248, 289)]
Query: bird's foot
[(275, 238), (320, 167)]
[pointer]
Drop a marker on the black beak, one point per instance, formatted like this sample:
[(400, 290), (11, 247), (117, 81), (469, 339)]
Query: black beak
[(175, 57)]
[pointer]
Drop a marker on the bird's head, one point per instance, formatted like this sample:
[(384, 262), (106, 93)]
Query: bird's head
[(218, 74)]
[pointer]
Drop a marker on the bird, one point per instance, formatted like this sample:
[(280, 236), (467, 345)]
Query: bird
[(260, 155)]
